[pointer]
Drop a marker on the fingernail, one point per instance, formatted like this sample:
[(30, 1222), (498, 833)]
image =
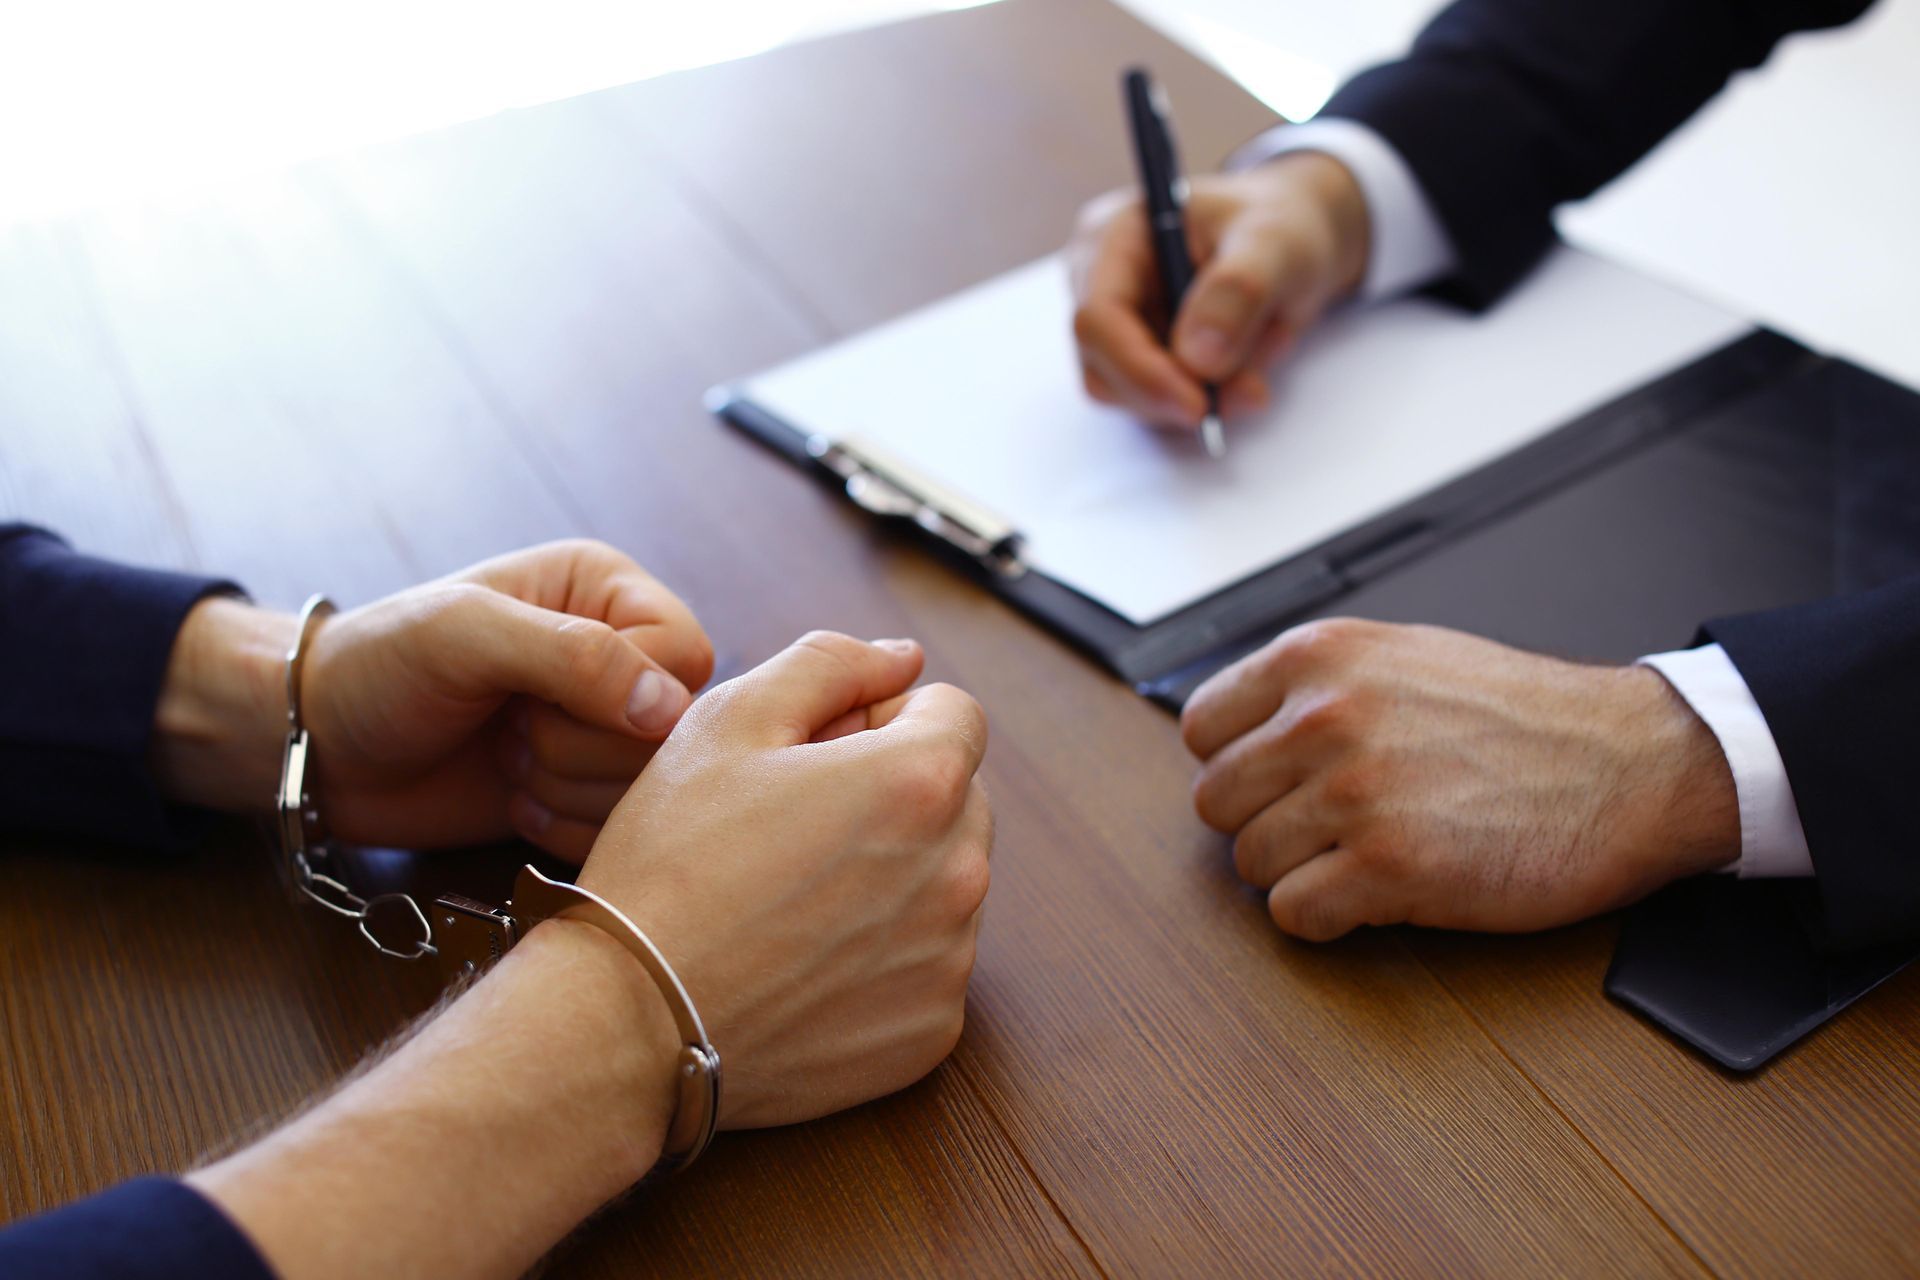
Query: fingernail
[(656, 702), (1205, 347), (529, 816), (897, 646)]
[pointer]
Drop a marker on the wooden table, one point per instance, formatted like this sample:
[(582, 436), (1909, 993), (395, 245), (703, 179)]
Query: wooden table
[(383, 367)]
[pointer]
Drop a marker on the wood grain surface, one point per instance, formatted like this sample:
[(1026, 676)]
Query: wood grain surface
[(381, 367)]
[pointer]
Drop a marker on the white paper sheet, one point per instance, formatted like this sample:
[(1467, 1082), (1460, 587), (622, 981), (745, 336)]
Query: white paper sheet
[(981, 393)]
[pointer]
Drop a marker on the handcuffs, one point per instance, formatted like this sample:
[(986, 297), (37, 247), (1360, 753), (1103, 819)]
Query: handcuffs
[(464, 936)]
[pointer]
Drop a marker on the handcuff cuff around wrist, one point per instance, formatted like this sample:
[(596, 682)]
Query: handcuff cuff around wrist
[(463, 935)]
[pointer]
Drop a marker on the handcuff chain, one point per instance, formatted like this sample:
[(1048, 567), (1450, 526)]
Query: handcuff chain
[(475, 933), (296, 814)]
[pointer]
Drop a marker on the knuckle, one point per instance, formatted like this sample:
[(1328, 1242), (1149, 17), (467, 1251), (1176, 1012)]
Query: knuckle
[(1239, 289), (931, 788), (968, 880), (456, 601), (969, 718), (1334, 638), (1375, 856), (1352, 789), (1088, 325), (582, 548), (1287, 656), (1330, 718), (1382, 856), (832, 649), (1311, 643), (951, 1028), (1345, 716), (595, 650), (834, 644)]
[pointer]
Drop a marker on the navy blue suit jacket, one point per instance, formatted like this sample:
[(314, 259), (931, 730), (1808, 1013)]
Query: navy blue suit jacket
[(1505, 109), (83, 651)]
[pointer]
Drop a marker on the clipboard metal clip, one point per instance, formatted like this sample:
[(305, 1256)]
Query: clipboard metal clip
[(884, 486)]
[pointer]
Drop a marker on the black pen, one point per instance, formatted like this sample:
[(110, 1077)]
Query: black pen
[(1166, 193)]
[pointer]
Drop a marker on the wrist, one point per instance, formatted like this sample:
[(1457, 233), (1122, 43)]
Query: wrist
[(1696, 805), (534, 1099), (606, 1043), (1332, 190), (221, 720)]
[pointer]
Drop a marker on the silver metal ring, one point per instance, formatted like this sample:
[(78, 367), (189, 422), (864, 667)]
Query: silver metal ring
[(421, 947)]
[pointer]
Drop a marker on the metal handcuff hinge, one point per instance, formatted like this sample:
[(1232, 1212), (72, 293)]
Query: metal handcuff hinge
[(464, 935)]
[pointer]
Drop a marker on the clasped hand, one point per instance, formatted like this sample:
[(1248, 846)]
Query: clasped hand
[(808, 847), (521, 696)]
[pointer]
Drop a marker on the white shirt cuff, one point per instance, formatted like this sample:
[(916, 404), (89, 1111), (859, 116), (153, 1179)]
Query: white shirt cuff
[(1772, 842), (1409, 247)]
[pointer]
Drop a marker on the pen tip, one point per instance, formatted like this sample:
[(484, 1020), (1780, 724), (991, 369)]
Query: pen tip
[(1214, 436)]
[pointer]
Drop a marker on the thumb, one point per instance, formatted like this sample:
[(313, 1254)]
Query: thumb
[(1231, 300), (815, 681), (580, 664)]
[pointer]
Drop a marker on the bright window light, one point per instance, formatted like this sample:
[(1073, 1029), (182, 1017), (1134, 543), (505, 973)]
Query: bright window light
[(1292, 85), (108, 100)]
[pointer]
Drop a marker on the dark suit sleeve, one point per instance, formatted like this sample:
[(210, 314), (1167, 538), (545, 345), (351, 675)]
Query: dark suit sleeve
[(84, 645), (147, 1229), (1839, 685), (1504, 109)]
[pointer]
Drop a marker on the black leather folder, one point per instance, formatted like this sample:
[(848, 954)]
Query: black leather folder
[(1723, 487), (1740, 969)]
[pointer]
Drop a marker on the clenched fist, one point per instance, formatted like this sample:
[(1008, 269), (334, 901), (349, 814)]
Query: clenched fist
[(1375, 774), (521, 695)]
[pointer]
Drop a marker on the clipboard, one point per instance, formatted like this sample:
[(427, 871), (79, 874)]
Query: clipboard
[(1167, 658)]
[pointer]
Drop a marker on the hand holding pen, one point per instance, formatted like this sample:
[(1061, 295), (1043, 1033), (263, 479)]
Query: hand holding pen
[(1268, 249), (1165, 192)]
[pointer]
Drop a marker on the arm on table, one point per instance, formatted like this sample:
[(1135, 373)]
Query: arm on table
[(818, 781), (84, 652), (809, 851)]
